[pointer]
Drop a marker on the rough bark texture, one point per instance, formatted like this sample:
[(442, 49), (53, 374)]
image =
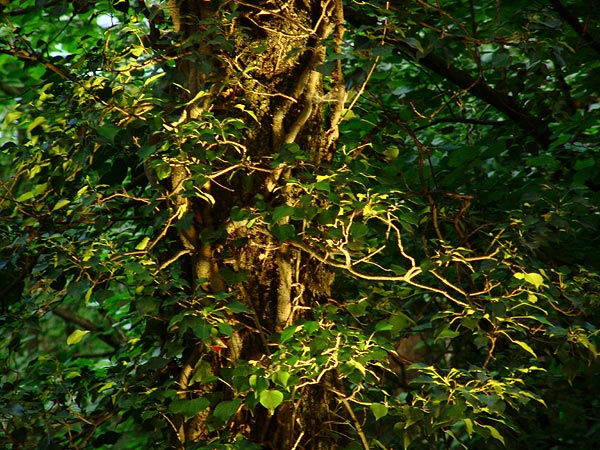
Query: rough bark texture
[(261, 57)]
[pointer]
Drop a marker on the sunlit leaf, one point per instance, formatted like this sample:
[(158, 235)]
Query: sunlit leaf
[(76, 336), (271, 398), (61, 204)]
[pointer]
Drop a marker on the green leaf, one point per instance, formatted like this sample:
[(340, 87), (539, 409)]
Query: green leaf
[(237, 307), (493, 432), (197, 97), (106, 386), (283, 232), (283, 377), (525, 347), (108, 131), (282, 211), (468, 426), (76, 336), (354, 364), (24, 196), (143, 243), (310, 326), (379, 410), (35, 123), (224, 410), (225, 329), (189, 407), (287, 333), (533, 278), (271, 398), (61, 204)]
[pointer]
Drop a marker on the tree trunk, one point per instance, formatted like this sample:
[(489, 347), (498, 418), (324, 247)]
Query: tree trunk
[(261, 62)]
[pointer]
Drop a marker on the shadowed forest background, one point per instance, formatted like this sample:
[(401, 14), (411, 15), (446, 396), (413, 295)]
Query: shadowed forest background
[(299, 224)]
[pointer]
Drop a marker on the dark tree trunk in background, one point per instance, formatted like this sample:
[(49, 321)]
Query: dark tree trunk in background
[(260, 62)]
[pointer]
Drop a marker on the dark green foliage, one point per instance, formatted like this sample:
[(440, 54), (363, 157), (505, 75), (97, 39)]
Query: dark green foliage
[(459, 216)]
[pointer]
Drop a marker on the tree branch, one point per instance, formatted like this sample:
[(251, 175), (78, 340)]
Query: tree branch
[(574, 23), (110, 338), (462, 120), (504, 103)]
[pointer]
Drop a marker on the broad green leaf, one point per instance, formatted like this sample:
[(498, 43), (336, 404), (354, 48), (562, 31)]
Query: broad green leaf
[(271, 398), (108, 131), (224, 410), (76, 336), (282, 211), (533, 278), (225, 329), (379, 410), (189, 407), (383, 326), (287, 333), (283, 232), (237, 307), (310, 326), (283, 377)]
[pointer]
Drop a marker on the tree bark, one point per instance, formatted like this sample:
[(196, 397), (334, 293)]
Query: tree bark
[(261, 62)]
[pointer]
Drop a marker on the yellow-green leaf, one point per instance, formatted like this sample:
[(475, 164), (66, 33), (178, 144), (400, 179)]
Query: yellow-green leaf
[(76, 336), (143, 243), (271, 398), (61, 204), (468, 426), (525, 347), (24, 196), (494, 432), (532, 278), (106, 386), (37, 121)]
